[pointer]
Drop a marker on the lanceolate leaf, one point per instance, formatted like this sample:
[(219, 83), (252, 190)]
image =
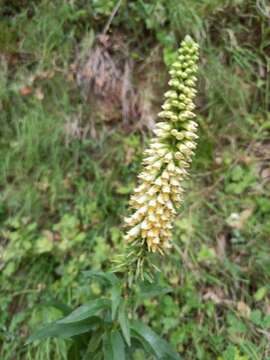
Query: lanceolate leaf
[(65, 309), (124, 321), (107, 347), (148, 290), (160, 348), (95, 341), (118, 346), (85, 311), (105, 276), (56, 329), (116, 299)]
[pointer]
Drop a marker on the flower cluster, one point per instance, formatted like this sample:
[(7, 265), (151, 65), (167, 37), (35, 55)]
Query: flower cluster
[(159, 192)]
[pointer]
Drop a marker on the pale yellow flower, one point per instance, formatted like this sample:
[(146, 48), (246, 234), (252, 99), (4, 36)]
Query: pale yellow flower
[(168, 157)]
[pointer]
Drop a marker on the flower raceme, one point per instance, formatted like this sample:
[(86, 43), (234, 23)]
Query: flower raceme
[(168, 157)]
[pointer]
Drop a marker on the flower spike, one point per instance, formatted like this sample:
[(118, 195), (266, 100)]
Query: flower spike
[(159, 192)]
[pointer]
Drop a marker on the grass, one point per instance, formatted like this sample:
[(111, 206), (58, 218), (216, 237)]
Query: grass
[(63, 196)]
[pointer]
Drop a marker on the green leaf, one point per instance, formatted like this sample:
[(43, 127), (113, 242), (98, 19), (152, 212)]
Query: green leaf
[(85, 311), (65, 309), (256, 317), (107, 347), (56, 329), (98, 356), (118, 346), (113, 346), (266, 322), (116, 299), (124, 322), (141, 343), (108, 277), (237, 173), (250, 349), (148, 290), (95, 341), (139, 354), (260, 293), (159, 347)]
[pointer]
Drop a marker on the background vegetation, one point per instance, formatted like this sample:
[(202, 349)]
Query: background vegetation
[(66, 170)]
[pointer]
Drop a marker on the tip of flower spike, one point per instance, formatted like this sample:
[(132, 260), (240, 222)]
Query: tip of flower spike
[(188, 39)]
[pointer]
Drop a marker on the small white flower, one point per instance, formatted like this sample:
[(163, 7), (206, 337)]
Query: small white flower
[(134, 231)]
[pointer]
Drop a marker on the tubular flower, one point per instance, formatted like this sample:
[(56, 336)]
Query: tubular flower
[(168, 157)]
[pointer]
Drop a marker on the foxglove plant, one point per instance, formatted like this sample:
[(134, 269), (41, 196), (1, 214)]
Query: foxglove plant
[(165, 164), (101, 328)]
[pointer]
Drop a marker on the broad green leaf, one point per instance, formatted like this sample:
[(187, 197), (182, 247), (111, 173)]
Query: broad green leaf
[(95, 341), (148, 290), (124, 322), (85, 311), (56, 329), (107, 276), (141, 343), (107, 347), (160, 348), (118, 346), (116, 299), (65, 309)]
